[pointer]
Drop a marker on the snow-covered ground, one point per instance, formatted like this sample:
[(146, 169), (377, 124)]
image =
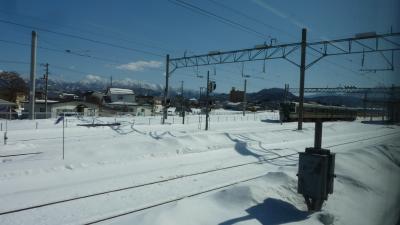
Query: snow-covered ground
[(241, 171)]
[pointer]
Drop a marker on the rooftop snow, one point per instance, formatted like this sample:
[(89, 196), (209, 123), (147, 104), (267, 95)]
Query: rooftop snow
[(120, 91)]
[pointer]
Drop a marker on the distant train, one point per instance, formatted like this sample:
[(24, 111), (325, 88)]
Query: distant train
[(288, 111)]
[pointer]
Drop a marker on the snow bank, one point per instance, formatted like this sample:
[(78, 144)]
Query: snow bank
[(105, 158)]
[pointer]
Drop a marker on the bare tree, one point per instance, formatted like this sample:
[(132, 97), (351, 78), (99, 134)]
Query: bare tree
[(12, 85)]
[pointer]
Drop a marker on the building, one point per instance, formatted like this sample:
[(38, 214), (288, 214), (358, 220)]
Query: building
[(157, 105), (68, 97), (121, 95), (6, 109), (74, 108), (144, 110), (145, 99), (121, 100), (236, 96), (55, 108), (393, 109)]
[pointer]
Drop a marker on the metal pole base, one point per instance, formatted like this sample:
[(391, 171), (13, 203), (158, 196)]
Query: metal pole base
[(313, 204)]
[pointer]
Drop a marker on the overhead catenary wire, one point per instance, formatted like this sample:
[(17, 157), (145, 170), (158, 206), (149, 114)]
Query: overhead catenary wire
[(82, 38), (221, 19), (113, 61), (65, 51), (225, 6), (80, 72), (116, 35), (282, 31)]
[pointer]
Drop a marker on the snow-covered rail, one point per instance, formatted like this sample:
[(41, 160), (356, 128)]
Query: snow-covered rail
[(130, 211), (125, 211), (260, 161)]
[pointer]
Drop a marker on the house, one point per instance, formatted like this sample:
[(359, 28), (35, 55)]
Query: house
[(68, 97), (6, 109), (74, 108), (121, 95), (144, 110), (233, 105), (193, 102), (117, 100), (55, 108), (145, 99), (171, 111), (236, 96), (40, 109), (122, 100), (157, 105)]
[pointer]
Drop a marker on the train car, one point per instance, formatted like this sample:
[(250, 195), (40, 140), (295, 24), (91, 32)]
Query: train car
[(288, 111)]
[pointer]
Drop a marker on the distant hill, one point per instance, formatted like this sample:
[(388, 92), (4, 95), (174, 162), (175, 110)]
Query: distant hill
[(264, 96), (339, 100), (270, 95), (94, 83)]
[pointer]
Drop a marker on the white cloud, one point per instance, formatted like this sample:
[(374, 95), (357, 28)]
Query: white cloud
[(140, 65), (94, 77), (90, 78)]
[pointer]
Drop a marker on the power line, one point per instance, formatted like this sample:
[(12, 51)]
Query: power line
[(69, 52), (116, 36), (252, 18), (13, 61), (81, 38), (350, 70), (224, 20), (66, 51), (61, 68)]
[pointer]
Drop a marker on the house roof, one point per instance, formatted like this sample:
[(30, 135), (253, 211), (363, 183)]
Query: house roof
[(41, 101), (6, 103), (123, 103), (44, 101), (120, 91)]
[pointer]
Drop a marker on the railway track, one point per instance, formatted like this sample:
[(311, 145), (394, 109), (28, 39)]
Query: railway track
[(21, 154), (127, 212), (261, 160), (137, 132)]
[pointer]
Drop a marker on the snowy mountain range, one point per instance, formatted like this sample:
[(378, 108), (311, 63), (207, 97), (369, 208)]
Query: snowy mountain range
[(96, 83)]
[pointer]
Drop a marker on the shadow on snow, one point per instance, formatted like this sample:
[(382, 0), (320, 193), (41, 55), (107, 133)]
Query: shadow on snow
[(271, 212)]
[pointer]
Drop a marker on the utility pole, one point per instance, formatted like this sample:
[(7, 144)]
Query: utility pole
[(200, 94), (286, 93), (182, 108), (365, 105), (244, 97), (302, 72), (46, 79), (32, 77), (390, 107), (207, 94), (166, 89)]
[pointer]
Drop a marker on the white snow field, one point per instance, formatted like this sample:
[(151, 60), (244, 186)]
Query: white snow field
[(241, 171)]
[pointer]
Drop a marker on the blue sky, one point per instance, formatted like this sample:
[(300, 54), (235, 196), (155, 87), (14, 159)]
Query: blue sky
[(158, 27)]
